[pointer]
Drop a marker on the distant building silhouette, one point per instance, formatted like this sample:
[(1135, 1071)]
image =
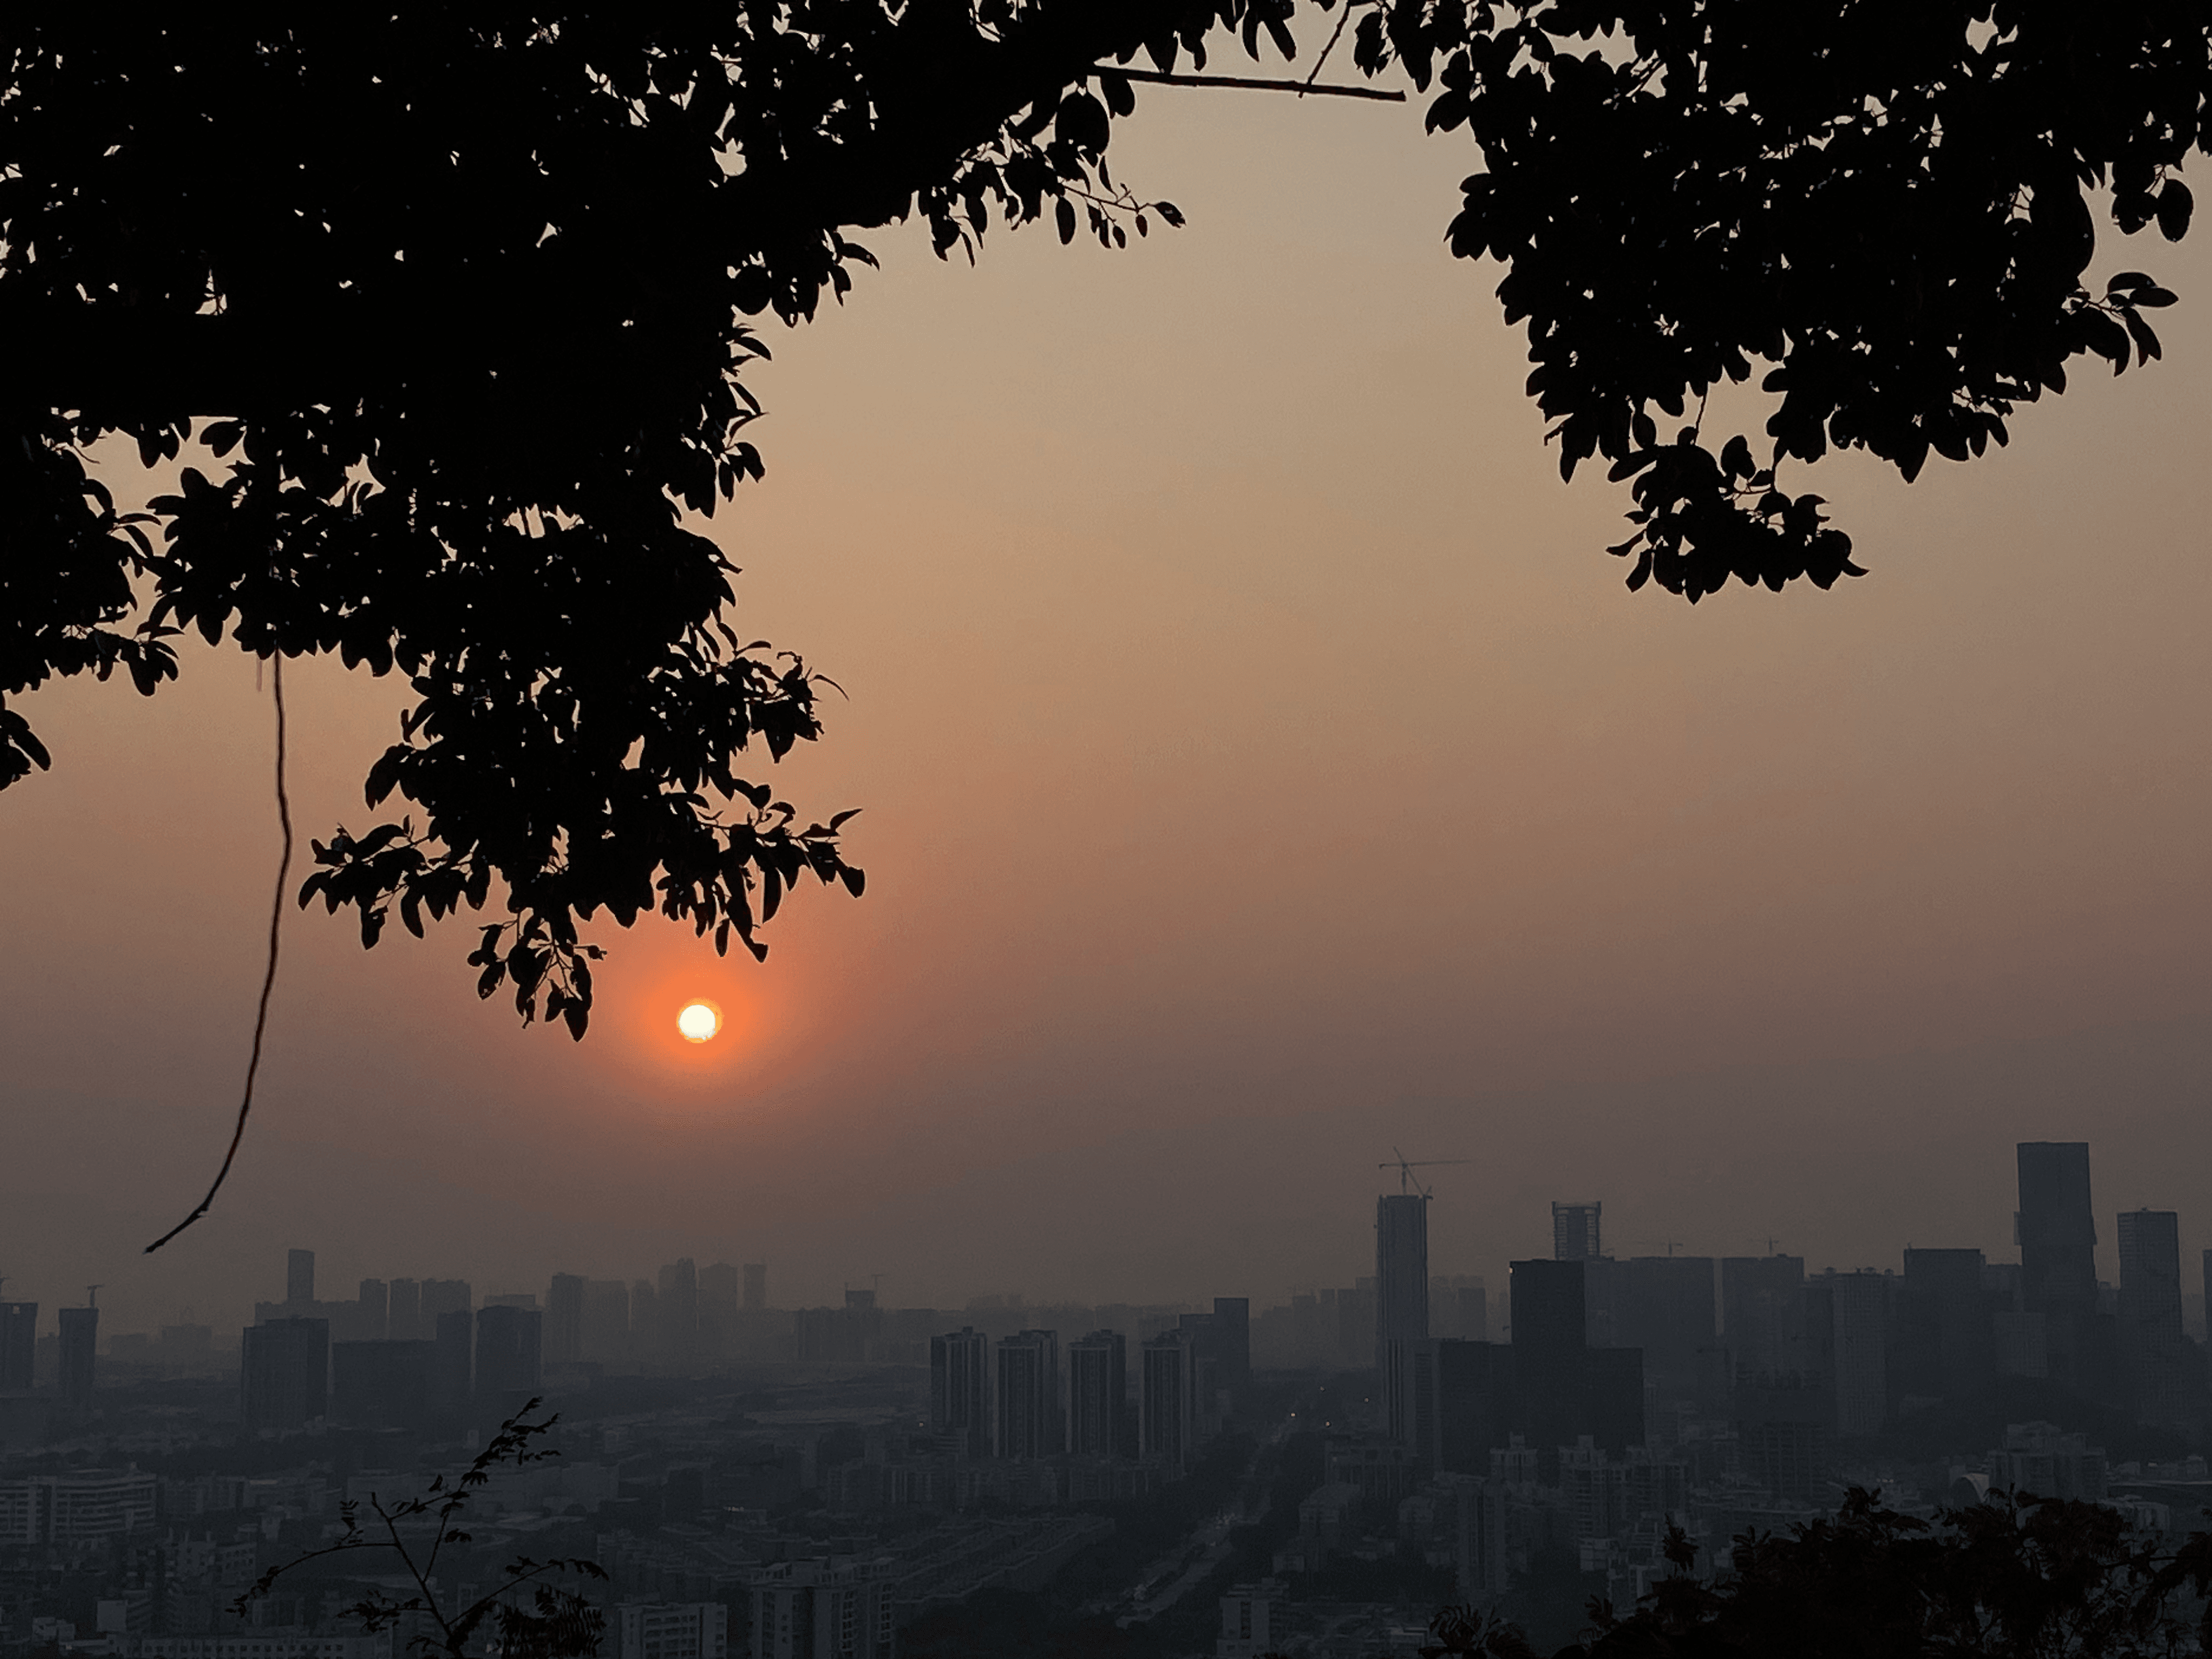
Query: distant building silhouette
[(1945, 1326), (19, 1344), (1098, 1396), (382, 1385), (756, 1286), (299, 1277), (1549, 1351), (960, 1389), (284, 1373), (1164, 1428), (509, 1351), (2152, 1343), (452, 1367), (564, 1320), (404, 1320), (1613, 1399), (445, 1296), (1575, 1232), (2058, 1255), (678, 1305), (1476, 1403), (1401, 1304), (1663, 1304), (604, 1335), (1026, 1399), (80, 1346), (375, 1317), (1232, 1327), (1763, 1314), (1847, 1322)]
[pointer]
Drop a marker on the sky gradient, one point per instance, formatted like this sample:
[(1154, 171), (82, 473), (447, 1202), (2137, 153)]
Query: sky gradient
[(1262, 766)]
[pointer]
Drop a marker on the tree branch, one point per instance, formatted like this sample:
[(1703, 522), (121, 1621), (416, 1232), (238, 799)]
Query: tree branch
[(1249, 83)]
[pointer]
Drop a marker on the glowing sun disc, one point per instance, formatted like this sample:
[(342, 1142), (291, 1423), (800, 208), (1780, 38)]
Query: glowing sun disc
[(698, 1021)]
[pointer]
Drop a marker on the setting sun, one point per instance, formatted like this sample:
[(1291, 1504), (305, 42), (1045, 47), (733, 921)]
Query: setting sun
[(698, 1021)]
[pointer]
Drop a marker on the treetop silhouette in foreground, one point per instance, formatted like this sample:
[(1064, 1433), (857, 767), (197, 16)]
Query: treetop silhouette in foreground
[(457, 300)]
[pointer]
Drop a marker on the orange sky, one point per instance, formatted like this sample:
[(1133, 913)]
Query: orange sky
[(1262, 766)]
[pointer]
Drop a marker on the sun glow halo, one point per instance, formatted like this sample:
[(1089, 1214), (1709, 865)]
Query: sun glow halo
[(699, 1021)]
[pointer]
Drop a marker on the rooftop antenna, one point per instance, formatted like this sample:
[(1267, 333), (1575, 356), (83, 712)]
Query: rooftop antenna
[(92, 1296), (1405, 1167)]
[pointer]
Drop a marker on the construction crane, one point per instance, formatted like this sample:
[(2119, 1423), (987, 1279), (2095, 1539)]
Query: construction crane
[(1405, 1166)]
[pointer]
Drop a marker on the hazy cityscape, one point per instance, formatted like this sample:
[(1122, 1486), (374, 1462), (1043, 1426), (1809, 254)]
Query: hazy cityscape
[(1309, 1475)]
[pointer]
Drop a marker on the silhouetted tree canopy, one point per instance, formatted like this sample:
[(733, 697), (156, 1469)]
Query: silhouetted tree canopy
[(2012, 1578), (456, 295)]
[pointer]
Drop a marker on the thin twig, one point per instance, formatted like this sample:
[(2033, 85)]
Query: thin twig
[(1300, 86), (268, 979), (1335, 35)]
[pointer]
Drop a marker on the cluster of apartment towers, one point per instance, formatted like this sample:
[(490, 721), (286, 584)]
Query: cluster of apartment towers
[(1015, 1400), (1795, 1359)]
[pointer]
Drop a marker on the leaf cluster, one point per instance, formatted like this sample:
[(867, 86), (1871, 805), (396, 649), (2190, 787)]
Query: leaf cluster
[(457, 297), (1879, 208)]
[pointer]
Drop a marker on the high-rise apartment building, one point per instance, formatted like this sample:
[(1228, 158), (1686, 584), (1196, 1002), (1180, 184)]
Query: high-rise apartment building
[(1026, 1397), (300, 1277), (1099, 1395), (605, 1336), (824, 1609), (678, 1305), (756, 1286), (451, 1365), (564, 1320), (1663, 1304), (374, 1318), (19, 1344), (660, 1629), (960, 1389), (2058, 1255), (284, 1373), (1163, 1407), (80, 1328), (1549, 1350), (1847, 1323), (1232, 1337), (1575, 1232), (509, 1352), (2152, 1344), (1945, 1328), (1401, 1304), (1763, 1314), (404, 1320)]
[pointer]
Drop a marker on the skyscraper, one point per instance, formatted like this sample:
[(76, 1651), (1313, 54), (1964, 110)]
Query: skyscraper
[(564, 1320), (678, 1308), (509, 1349), (1847, 1322), (404, 1320), (1549, 1353), (1401, 1302), (1099, 1395), (1575, 1232), (756, 1286), (1664, 1305), (1945, 1323), (604, 1336), (284, 1373), (300, 1277), (375, 1317), (451, 1369), (1763, 1314), (960, 1389), (18, 1342), (1163, 1427), (1232, 1330), (2151, 1340), (2058, 1255), (79, 1344), (1026, 1395)]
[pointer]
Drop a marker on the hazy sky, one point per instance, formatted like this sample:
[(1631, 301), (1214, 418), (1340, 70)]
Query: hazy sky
[(1263, 766)]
